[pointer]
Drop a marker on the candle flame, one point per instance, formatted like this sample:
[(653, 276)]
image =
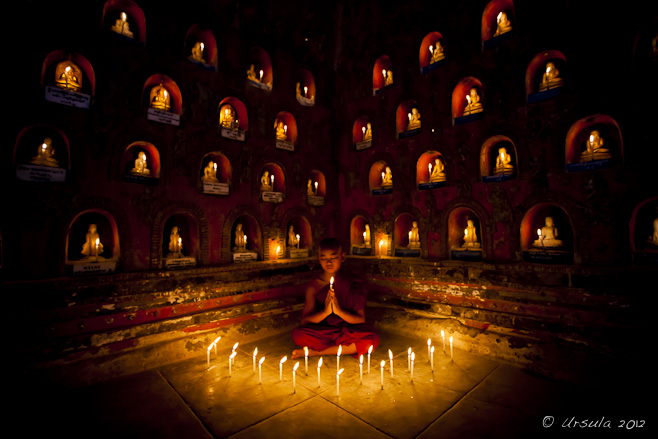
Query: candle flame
[(442, 333), (370, 350), (450, 339), (340, 349), (261, 360), (235, 346), (539, 232), (306, 351), (210, 347), (361, 359), (413, 356), (295, 367), (429, 342), (390, 354), (320, 363), (202, 46), (255, 352), (432, 349), (331, 282), (217, 339), (98, 241), (409, 351), (283, 360), (340, 371), (123, 16), (233, 355), (383, 363)]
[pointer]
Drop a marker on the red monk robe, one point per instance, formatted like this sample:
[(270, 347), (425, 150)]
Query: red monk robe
[(333, 330)]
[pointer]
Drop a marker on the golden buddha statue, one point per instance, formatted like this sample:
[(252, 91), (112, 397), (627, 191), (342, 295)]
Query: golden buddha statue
[(551, 78), (503, 163), (141, 165), (240, 238), (470, 235), (547, 235), (160, 99), (68, 76), (92, 246), (366, 236), (473, 104), (210, 173), (266, 181), (388, 77), (45, 155), (503, 24), (367, 132), (653, 240), (251, 74), (311, 188), (437, 173), (414, 236), (121, 26), (281, 130), (436, 52), (414, 119), (594, 148), (293, 238), (387, 178), (175, 244), (227, 117), (197, 52), (298, 90)]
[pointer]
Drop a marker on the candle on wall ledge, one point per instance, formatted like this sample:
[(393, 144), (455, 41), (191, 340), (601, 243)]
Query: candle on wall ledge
[(306, 359), (451, 357), (260, 363), (261, 76), (254, 358), (369, 352), (294, 372), (283, 360), (361, 369), (432, 358), (230, 362), (319, 366), (316, 188), (338, 382), (272, 181), (413, 357), (297, 241), (382, 369), (390, 356)]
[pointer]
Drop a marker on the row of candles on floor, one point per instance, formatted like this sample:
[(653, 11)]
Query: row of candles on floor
[(411, 358)]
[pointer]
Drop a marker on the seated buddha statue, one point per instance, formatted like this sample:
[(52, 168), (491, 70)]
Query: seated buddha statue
[(141, 165), (387, 178), (281, 130), (473, 104), (293, 238), (437, 173), (121, 26), (547, 235), (240, 238), (92, 246), (388, 79), (251, 74), (367, 134), (470, 235), (551, 78), (653, 240), (160, 99), (503, 163), (437, 52), (503, 24), (227, 117), (197, 52), (68, 76), (175, 244), (45, 155), (414, 119), (366, 236), (298, 90), (594, 148), (266, 181), (414, 236), (210, 173)]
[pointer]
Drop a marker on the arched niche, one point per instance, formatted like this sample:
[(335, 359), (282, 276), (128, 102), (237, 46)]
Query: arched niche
[(498, 22), (316, 188), (68, 79), (305, 87), (432, 52), (299, 237), (140, 163), (124, 19), (430, 170), (215, 174), (92, 243), (259, 72), (246, 239), (41, 154), (465, 239), (285, 131), (180, 241), (360, 236), (380, 178), (498, 159), (382, 74), (467, 101), (545, 75), (272, 183), (201, 47), (233, 118), (560, 249), (407, 119), (162, 97), (643, 231), (593, 143), (406, 235), (362, 133)]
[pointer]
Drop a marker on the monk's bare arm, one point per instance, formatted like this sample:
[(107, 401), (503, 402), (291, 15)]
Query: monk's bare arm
[(308, 315)]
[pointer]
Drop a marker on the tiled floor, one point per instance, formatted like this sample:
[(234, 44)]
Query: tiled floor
[(470, 397)]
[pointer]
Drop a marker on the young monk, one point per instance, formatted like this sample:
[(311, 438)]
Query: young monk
[(334, 317)]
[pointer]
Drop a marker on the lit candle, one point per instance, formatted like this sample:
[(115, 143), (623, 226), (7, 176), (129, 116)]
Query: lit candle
[(338, 382), (363, 130), (409, 116), (261, 75), (364, 237), (44, 146), (215, 166), (306, 359), (278, 249), (431, 50), (97, 244), (451, 356), (180, 244), (254, 358), (429, 166), (260, 363), (381, 242), (316, 188), (443, 337), (214, 343), (361, 369), (305, 92), (383, 174), (283, 360), (409, 243), (294, 372), (208, 355), (235, 347), (298, 241), (202, 46), (390, 356), (539, 233), (331, 283), (230, 362), (432, 358), (468, 99), (245, 241), (384, 74), (272, 181), (382, 369), (340, 349), (429, 343), (413, 358), (409, 359), (369, 352), (319, 366)]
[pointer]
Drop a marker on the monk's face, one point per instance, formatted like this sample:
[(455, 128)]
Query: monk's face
[(331, 259)]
